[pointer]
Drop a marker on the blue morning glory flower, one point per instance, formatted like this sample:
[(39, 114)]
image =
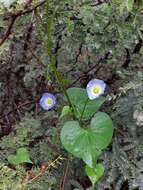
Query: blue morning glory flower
[(95, 88), (47, 101)]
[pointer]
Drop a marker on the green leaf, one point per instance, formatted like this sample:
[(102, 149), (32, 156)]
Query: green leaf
[(87, 143), (21, 156), (79, 142), (94, 174), (65, 111), (92, 107), (77, 94), (102, 127), (79, 98)]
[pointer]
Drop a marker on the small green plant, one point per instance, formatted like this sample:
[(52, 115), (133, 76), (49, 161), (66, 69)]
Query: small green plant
[(21, 156), (89, 131)]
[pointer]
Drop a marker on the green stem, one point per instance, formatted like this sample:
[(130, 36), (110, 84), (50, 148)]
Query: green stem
[(83, 110), (50, 22)]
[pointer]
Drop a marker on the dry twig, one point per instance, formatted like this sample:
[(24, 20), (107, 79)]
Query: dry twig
[(13, 17)]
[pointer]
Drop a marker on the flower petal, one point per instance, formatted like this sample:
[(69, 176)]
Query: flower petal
[(92, 84), (44, 103)]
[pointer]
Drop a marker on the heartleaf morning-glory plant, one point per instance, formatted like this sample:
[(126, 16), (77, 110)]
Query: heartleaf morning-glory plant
[(91, 131)]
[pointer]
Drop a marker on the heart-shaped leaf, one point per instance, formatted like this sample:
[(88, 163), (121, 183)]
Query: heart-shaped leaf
[(87, 143), (22, 156), (102, 127), (79, 98), (79, 142), (95, 173)]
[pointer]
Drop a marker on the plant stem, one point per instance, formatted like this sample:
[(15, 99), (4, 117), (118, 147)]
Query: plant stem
[(83, 110), (50, 22)]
